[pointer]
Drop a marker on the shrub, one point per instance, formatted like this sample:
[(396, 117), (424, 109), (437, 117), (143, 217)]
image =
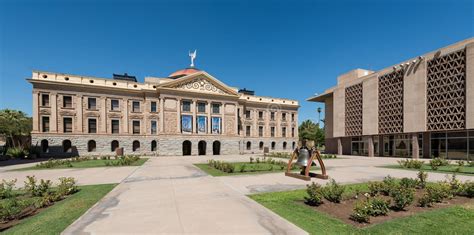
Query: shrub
[(333, 191), (6, 189), (66, 186), (389, 184), (242, 168), (408, 183), (361, 212), (425, 201), (44, 187), (402, 197), (376, 188), (30, 185), (10, 208), (410, 163), (468, 189), (315, 197), (422, 177), (454, 184), (257, 160), (471, 163), (438, 192), (460, 163), (378, 206), (17, 152), (435, 163), (251, 160)]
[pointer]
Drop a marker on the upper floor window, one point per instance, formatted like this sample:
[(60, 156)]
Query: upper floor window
[(67, 125), (115, 126), (247, 114), (114, 104), (283, 116), (92, 103), (292, 132), (272, 131), (283, 131), (153, 107), (92, 125), (292, 117), (136, 127), (135, 106), (45, 100), (67, 101), (45, 123), (247, 130), (201, 107), (153, 127), (186, 106), (272, 116), (260, 114), (260, 131), (216, 108)]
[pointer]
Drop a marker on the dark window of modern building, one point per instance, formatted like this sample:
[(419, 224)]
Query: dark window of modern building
[(283, 131), (92, 125), (91, 146), (249, 145), (272, 131), (272, 116), (45, 100), (247, 130), (186, 106), (201, 107), (216, 108), (67, 125), (471, 146), (283, 116), (67, 146), (136, 106), (260, 115), (92, 103), (247, 114), (115, 127), (45, 123), (153, 127), (153, 107), (136, 127), (67, 101), (260, 131), (136, 146), (114, 105)]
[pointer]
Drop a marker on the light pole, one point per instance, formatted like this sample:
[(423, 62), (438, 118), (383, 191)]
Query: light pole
[(319, 116)]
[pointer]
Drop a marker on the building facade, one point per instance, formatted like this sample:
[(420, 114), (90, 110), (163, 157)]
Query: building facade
[(422, 107), (187, 113)]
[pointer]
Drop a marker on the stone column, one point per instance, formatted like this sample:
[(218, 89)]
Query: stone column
[(161, 127), (178, 112), (103, 114), (416, 147), (209, 110), (370, 146), (223, 119), (469, 86), (254, 115), (36, 117), (79, 116), (236, 115), (194, 122), (339, 146), (125, 123), (53, 122)]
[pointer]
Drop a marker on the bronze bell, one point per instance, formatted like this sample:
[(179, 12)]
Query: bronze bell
[(303, 157)]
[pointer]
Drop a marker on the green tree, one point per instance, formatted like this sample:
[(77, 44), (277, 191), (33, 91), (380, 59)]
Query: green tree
[(14, 123), (311, 131)]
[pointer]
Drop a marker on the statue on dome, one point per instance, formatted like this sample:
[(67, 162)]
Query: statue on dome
[(192, 55)]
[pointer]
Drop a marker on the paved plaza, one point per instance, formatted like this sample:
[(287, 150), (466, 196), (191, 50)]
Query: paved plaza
[(171, 195)]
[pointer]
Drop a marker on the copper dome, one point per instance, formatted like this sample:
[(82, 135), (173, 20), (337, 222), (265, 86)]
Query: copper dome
[(183, 72)]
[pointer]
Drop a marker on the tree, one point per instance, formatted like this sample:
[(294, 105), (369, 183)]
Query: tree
[(14, 123), (311, 131)]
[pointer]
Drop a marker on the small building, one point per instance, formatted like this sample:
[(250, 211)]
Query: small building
[(421, 107)]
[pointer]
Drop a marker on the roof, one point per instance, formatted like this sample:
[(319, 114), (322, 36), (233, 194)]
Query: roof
[(184, 72)]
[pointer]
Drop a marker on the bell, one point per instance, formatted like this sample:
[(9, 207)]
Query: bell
[(303, 157)]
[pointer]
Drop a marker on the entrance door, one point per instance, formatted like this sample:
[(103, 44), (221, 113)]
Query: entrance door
[(216, 148), (202, 147), (186, 147)]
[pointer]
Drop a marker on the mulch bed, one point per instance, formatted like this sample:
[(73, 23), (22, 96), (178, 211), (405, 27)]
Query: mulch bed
[(29, 211), (343, 210)]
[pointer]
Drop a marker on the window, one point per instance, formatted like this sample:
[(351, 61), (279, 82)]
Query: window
[(67, 125), (92, 103), (292, 117), (186, 106), (91, 145), (293, 145), (67, 146), (249, 145), (292, 132), (153, 107), (283, 132), (283, 116), (114, 145), (136, 146), (247, 130), (260, 115), (67, 101), (135, 106), (153, 145), (153, 127), (44, 146), (45, 123), (114, 104), (216, 108), (272, 116), (115, 127), (136, 127), (247, 114), (92, 125), (45, 100), (273, 145), (201, 107), (260, 145), (284, 145), (272, 131), (260, 131)]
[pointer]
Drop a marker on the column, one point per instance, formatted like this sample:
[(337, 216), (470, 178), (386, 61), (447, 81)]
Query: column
[(339, 146), (223, 119), (103, 114), (125, 117), (370, 148), (416, 147), (194, 116), (53, 122), (236, 115), (178, 112), (79, 116), (144, 130), (36, 117), (254, 115), (209, 110), (161, 127)]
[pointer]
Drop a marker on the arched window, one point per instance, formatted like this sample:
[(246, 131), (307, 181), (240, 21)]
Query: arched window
[(249, 145), (273, 145), (91, 146), (202, 147), (260, 145), (44, 146), (284, 145), (153, 145), (216, 148), (67, 147), (136, 146), (187, 147), (114, 145), (293, 145)]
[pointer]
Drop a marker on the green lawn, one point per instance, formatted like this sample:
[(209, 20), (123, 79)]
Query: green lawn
[(453, 220), (465, 170), (56, 218), (83, 164), (251, 168)]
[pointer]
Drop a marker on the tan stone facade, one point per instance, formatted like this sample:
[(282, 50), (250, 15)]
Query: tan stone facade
[(421, 107), (191, 114)]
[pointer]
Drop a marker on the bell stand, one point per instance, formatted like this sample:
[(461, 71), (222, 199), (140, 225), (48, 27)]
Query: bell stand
[(307, 174)]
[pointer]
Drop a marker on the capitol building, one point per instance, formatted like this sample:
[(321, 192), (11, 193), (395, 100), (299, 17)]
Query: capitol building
[(188, 112)]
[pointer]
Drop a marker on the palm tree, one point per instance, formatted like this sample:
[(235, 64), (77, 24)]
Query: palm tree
[(319, 116)]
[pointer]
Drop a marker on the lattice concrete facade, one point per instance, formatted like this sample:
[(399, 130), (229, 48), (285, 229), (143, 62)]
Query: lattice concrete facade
[(405, 108)]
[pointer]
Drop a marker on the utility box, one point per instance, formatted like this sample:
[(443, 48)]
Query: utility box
[(119, 151), (265, 150)]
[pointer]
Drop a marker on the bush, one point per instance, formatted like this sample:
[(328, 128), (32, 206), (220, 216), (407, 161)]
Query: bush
[(438, 192), (361, 212), (10, 208), (6, 189), (378, 206), (435, 163), (422, 177), (454, 184), (251, 160), (389, 184), (402, 197), (242, 168), (460, 163), (425, 201), (17, 153), (66, 186), (468, 189), (408, 183), (471, 163), (333, 191), (315, 197), (410, 163)]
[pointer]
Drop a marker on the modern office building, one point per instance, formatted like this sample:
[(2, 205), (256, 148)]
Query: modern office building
[(187, 113), (421, 107)]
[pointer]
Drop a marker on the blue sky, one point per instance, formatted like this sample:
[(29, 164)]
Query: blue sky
[(290, 49)]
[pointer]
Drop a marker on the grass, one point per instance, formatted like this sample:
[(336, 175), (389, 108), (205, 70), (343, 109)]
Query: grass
[(465, 170), (452, 220), (56, 218), (249, 169), (83, 164)]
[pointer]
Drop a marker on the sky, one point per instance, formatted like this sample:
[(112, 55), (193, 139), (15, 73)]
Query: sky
[(287, 49)]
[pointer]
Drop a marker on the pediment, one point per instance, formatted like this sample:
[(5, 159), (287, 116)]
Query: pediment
[(202, 83)]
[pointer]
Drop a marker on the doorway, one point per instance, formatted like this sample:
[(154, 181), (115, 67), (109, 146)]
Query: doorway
[(202, 147), (216, 148), (186, 148)]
